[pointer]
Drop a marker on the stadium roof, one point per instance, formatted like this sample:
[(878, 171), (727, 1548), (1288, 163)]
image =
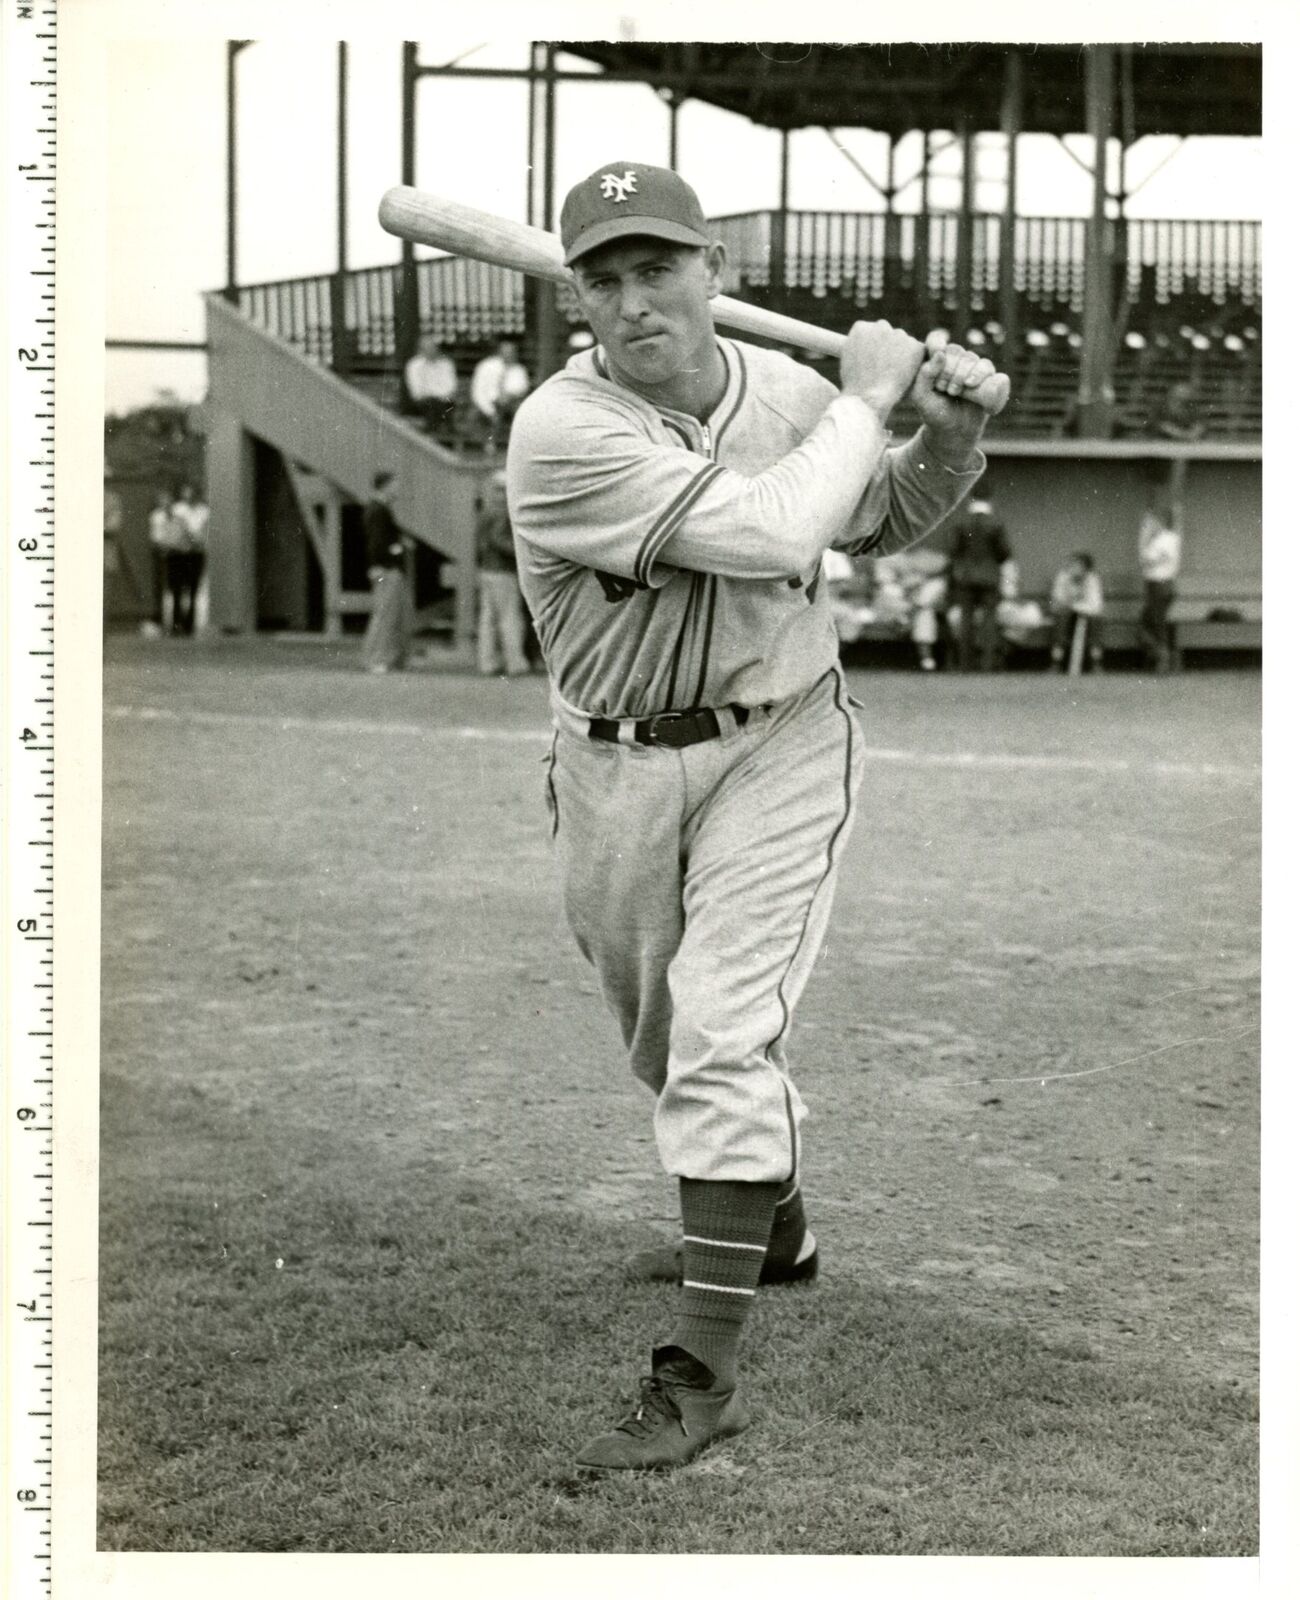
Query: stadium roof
[(1176, 88)]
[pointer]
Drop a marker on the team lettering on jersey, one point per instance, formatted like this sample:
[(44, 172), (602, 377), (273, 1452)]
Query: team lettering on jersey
[(616, 588)]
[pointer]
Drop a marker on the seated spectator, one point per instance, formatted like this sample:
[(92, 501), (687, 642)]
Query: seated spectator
[(907, 596), (928, 598), (431, 383), (499, 383), (1179, 416), (1077, 603), (1019, 620), (847, 587)]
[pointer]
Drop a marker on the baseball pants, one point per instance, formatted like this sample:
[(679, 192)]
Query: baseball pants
[(698, 883)]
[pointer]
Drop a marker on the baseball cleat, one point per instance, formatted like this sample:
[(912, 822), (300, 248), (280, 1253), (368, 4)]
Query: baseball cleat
[(663, 1264), (672, 1421)]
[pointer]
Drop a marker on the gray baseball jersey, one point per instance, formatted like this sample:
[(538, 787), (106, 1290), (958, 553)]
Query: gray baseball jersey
[(670, 563)]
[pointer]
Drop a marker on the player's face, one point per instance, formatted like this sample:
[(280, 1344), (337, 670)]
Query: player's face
[(648, 304)]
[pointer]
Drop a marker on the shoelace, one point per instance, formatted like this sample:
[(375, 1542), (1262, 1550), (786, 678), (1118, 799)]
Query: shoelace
[(656, 1401)]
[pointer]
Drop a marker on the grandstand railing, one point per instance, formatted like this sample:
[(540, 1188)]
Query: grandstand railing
[(1187, 296), (871, 257), (460, 302), (1210, 269)]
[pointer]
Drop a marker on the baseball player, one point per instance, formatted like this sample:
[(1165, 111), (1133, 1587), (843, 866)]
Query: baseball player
[(672, 493)]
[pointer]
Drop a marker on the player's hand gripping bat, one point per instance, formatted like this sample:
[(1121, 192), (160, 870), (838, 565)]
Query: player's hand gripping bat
[(465, 231)]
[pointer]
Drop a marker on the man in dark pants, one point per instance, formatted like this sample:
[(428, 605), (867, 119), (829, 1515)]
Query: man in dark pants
[(1160, 551), (387, 639), (977, 550)]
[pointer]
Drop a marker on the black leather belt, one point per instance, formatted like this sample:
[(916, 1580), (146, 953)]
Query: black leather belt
[(671, 729)]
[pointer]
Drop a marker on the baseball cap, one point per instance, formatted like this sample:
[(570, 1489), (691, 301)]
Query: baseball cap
[(625, 198)]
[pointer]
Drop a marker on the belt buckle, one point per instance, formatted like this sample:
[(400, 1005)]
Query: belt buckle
[(652, 725)]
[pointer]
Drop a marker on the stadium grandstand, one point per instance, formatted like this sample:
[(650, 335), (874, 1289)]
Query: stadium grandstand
[(1096, 318)]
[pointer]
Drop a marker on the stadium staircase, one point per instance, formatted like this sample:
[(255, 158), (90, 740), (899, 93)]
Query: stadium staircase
[(333, 436)]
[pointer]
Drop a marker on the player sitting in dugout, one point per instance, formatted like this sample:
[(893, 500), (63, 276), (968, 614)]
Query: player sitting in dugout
[(672, 492), (1077, 605)]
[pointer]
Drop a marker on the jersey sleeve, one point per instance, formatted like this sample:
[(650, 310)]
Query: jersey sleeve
[(909, 496), (590, 483)]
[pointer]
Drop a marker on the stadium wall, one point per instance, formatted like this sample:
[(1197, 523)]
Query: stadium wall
[(1056, 497)]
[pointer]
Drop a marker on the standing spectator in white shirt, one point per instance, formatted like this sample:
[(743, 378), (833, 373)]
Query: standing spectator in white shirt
[(499, 383), (431, 384), (1160, 554), (162, 541), (187, 557)]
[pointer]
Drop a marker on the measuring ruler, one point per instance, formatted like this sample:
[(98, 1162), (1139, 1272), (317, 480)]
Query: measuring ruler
[(29, 56)]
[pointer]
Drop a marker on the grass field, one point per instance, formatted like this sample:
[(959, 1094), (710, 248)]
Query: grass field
[(371, 1162)]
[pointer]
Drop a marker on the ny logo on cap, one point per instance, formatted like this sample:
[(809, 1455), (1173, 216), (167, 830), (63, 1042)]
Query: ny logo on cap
[(617, 189)]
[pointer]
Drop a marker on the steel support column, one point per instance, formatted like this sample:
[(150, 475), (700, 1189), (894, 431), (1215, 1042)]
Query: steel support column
[(407, 331), (1096, 400), (530, 195), (893, 245), (548, 153), (233, 47), (776, 288), (921, 265), (965, 230), (1013, 114), (1120, 256), (549, 355), (340, 343)]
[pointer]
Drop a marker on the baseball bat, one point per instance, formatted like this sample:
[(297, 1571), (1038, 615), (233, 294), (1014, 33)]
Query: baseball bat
[(1076, 645), (466, 231)]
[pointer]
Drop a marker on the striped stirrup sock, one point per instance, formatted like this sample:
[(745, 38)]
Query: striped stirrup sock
[(725, 1229)]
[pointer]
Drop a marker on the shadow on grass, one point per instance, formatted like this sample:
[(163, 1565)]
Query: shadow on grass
[(294, 1358)]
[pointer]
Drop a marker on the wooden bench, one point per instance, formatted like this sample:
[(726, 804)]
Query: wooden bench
[(1200, 622)]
